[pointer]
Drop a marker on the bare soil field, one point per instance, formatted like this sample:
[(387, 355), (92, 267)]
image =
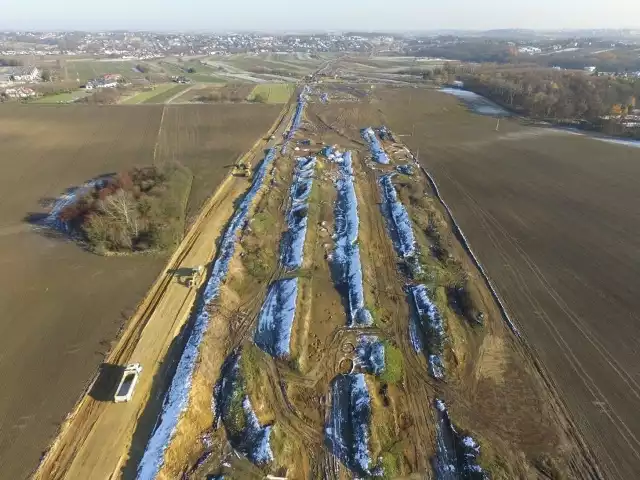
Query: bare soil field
[(62, 306), (208, 139), (270, 390), (554, 219)]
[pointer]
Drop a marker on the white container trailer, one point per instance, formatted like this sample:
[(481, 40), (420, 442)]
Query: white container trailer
[(128, 382)]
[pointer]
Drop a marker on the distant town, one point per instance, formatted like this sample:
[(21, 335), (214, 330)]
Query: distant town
[(585, 78), (146, 45)]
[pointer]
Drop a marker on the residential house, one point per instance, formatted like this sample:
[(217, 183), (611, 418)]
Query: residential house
[(9, 75), (109, 80), (20, 92)]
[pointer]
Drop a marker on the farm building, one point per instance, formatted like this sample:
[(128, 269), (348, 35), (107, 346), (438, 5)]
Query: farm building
[(19, 92), (109, 80)]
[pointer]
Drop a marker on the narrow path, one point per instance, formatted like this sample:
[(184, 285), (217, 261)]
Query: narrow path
[(155, 148), (181, 92)]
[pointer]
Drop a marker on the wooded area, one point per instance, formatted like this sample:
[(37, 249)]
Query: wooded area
[(141, 209), (555, 94), (560, 96)]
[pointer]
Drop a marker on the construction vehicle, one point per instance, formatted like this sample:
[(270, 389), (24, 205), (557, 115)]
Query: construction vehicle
[(197, 274), (128, 382), (242, 169)]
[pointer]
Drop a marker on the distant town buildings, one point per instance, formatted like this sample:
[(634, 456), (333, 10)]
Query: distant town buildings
[(109, 80), (530, 50), (149, 45), (11, 75), (19, 92)]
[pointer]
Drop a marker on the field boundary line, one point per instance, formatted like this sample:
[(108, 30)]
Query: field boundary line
[(180, 93), (155, 148)]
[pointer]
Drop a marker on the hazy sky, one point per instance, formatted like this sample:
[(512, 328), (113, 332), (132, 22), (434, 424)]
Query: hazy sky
[(272, 15)]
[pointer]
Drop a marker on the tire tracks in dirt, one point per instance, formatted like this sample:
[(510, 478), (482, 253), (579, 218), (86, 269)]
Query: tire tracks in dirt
[(587, 467)]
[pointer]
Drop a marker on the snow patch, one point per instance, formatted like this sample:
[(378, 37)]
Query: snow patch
[(297, 118), (275, 320), (427, 324), (406, 169), (293, 239), (231, 402), (377, 152), (347, 268), (477, 103), (177, 398), (347, 431), (398, 220), (70, 197), (456, 454), (370, 354)]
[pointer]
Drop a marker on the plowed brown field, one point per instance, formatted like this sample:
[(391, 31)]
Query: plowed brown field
[(62, 307), (209, 138), (554, 218)]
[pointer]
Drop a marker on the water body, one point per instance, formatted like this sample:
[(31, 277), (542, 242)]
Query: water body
[(477, 103)]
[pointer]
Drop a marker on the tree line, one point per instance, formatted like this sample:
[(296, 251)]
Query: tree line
[(553, 94)]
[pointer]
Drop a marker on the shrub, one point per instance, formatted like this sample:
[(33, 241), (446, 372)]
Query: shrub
[(389, 465), (394, 364), (140, 209)]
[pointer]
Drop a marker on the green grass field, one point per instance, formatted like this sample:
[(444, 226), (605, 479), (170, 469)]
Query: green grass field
[(149, 96), (88, 69), (62, 97), (167, 94), (203, 73), (272, 92)]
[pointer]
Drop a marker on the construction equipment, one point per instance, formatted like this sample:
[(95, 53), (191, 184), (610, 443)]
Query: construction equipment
[(197, 274), (128, 382), (242, 169)]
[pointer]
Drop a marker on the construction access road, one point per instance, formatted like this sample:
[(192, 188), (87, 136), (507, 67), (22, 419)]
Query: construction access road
[(104, 440)]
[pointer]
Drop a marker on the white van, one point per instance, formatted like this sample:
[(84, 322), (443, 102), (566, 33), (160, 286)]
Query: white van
[(128, 382)]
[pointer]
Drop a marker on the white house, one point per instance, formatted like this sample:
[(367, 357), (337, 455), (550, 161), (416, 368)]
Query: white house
[(9, 75), (19, 92)]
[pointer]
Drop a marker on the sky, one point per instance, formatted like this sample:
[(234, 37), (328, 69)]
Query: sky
[(287, 15)]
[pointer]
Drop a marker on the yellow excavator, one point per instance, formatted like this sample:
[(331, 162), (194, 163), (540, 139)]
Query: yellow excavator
[(242, 169)]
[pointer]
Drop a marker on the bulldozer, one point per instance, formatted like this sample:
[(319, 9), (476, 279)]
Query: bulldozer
[(242, 169)]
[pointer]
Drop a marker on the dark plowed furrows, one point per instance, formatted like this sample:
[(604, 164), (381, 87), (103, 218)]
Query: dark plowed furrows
[(584, 464)]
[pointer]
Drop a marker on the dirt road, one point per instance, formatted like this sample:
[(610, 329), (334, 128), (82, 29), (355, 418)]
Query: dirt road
[(102, 439)]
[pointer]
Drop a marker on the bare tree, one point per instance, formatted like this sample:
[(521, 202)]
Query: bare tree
[(121, 209)]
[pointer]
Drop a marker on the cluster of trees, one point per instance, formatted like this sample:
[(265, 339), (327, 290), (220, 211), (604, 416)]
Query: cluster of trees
[(471, 50), (223, 95), (142, 68), (141, 209), (554, 94), (619, 59), (104, 96)]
